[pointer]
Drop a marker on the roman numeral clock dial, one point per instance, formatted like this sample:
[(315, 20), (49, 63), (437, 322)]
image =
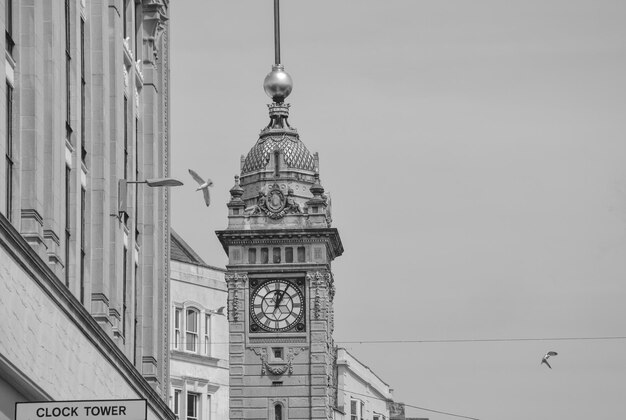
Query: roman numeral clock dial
[(276, 306)]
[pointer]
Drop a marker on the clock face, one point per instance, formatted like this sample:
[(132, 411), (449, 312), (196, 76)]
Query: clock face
[(277, 305)]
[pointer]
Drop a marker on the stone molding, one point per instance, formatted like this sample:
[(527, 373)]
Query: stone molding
[(22, 383), (50, 234), (274, 236), (32, 214), (277, 340)]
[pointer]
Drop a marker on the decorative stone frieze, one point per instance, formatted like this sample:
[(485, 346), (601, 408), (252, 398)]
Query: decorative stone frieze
[(277, 369)]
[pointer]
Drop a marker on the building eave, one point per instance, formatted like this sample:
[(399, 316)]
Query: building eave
[(331, 235)]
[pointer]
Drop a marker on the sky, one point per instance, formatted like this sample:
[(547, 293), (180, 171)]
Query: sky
[(475, 154)]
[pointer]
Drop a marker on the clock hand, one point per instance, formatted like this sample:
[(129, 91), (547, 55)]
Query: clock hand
[(279, 298)]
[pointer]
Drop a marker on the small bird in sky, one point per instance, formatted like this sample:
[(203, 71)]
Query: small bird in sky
[(220, 310), (204, 186), (547, 356)]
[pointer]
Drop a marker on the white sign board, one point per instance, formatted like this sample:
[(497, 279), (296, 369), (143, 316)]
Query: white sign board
[(82, 410)]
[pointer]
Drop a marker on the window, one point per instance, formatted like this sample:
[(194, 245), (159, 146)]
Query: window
[(301, 257), (125, 137), (9, 152), (191, 337), (207, 334), (124, 289), (252, 256), (68, 59), (135, 312), (278, 352), (83, 140), (264, 255), (9, 26), (136, 178), (276, 255), (192, 406), (83, 203), (68, 173), (276, 163), (278, 412), (125, 18), (289, 254), (138, 13), (177, 319), (356, 410), (176, 403)]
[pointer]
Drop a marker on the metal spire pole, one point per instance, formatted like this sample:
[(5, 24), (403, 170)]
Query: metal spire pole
[(276, 33)]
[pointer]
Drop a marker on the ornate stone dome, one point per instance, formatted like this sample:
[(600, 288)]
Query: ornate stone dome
[(295, 153)]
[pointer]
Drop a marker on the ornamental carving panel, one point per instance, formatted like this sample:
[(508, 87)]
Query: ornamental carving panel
[(233, 280), (277, 369)]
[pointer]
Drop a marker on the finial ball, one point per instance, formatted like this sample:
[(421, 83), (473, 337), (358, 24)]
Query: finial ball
[(278, 83)]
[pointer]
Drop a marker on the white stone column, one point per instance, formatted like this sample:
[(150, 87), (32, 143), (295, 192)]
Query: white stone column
[(100, 170), (30, 109)]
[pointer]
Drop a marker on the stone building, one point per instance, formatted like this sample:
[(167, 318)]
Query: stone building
[(84, 255), (280, 246), (199, 336)]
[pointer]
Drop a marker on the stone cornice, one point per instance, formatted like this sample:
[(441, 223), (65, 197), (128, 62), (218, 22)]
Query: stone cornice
[(37, 269), (242, 237)]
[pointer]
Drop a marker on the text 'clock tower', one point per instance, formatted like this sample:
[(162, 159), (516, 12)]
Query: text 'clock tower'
[(280, 246)]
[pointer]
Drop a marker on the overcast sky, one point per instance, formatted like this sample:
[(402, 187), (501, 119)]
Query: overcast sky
[(475, 152)]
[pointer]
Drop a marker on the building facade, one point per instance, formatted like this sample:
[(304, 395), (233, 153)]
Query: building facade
[(199, 339), (361, 394), (84, 250), (280, 246)]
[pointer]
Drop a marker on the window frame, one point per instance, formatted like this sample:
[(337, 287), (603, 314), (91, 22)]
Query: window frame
[(356, 409), (192, 346), (176, 400), (178, 321), (207, 334), (68, 222), (195, 405), (10, 163), (278, 411)]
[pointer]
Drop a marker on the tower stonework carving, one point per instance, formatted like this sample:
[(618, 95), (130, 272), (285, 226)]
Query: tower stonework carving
[(280, 246)]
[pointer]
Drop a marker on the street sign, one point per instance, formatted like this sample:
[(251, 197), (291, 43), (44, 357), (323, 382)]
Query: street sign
[(82, 410)]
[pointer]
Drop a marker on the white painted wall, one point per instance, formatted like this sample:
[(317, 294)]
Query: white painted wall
[(202, 288), (357, 381)]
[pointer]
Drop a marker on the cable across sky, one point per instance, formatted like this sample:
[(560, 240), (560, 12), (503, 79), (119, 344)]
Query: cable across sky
[(460, 340)]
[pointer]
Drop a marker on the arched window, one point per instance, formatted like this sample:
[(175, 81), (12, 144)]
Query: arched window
[(278, 412), (276, 163), (191, 329)]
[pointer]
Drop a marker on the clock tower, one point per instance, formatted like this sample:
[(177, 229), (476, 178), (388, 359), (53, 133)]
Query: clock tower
[(280, 247)]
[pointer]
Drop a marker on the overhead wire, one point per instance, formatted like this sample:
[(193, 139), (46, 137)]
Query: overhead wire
[(457, 340)]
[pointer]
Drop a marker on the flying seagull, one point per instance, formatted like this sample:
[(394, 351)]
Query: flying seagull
[(204, 186), (220, 310), (547, 356)]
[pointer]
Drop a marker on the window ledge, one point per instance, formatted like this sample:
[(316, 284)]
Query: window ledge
[(194, 358)]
